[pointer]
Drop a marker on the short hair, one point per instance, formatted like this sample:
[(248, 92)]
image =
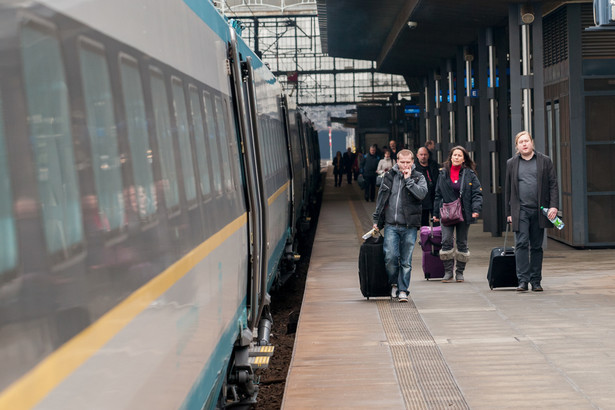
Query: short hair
[(405, 153)]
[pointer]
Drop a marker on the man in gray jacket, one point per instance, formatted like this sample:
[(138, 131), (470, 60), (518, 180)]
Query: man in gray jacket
[(530, 183), (398, 210)]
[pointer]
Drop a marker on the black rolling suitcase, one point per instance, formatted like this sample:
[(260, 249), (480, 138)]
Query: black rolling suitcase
[(373, 279), (502, 271)]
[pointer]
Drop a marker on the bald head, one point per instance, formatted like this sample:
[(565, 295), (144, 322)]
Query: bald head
[(423, 155)]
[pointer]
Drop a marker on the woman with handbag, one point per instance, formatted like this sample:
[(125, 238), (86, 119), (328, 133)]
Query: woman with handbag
[(458, 203)]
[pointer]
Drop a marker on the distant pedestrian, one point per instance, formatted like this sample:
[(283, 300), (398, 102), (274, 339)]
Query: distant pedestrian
[(386, 163), (429, 169), (370, 165), (393, 149), (431, 148), (398, 210), (347, 161), (357, 164), (531, 182), (338, 170), (457, 179)]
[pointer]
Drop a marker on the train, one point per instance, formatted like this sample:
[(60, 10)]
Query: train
[(154, 181)]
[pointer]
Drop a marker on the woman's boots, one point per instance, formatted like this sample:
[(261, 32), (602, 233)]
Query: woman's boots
[(448, 261), (448, 258), (462, 258)]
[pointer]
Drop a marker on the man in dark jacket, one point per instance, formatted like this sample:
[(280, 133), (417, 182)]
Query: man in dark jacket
[(370, 165), (398, 210), (429, 169), (530, 183), (347, 162)]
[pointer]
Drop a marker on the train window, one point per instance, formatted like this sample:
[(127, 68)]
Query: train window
[(183, 135), (266, 145), (224, 147), (103, 135), (199, 137), (213, 142), (164, 138), (50, 135), (136, 128), (8, 250), (232, 143)]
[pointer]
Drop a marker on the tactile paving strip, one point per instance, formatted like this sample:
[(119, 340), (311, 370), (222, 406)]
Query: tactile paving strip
[(424, 378)]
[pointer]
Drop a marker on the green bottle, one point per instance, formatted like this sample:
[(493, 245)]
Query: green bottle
[(557, 222)]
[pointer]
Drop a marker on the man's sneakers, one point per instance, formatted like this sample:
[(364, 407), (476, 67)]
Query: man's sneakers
[(403, 295)]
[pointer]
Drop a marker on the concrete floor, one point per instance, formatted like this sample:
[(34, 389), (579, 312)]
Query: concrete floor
[(504, 349)]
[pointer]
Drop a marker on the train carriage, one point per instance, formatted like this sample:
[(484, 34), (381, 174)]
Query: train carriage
[(130, 276)]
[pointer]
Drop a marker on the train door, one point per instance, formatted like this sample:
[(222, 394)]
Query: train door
[(245, 105)]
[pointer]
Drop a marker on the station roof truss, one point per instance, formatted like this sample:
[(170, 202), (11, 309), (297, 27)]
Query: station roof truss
[(286, 35)]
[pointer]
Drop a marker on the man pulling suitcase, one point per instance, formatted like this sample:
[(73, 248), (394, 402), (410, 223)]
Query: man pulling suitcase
[(398, 210)]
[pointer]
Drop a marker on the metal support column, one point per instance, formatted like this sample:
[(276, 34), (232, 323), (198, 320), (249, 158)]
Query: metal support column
[(430, 103), (526, 72), (538, 75), (460, 107), (516, 118), (451, 103), (424, 122), (468, 57), (438, 115), (493, 137)]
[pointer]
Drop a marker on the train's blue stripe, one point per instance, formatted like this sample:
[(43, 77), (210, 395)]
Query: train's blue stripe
[(208, 13), (203, 391)]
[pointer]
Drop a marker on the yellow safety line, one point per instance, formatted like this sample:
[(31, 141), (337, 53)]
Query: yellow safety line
[(278, 193), (32, 387)]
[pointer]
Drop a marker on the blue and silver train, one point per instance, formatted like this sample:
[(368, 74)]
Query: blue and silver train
[(153, 180)]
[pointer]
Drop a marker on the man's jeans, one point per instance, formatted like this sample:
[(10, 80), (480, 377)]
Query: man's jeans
[(528, 247), (398, 246)]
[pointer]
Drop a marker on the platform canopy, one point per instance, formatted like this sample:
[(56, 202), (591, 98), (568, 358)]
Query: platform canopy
[(408, 37)]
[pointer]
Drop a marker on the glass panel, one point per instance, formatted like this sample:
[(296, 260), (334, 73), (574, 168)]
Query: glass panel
[(8, 238), (165, 141), (136, 127), (51, 139), (103, 136), (601, 225), (223, 137), (199, 136), (213, 142), (183, 134)]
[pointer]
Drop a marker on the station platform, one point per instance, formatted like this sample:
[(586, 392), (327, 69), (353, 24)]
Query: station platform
[(454, 345)]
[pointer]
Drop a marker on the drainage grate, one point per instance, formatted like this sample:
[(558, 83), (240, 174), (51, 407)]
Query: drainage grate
[(424, 378)]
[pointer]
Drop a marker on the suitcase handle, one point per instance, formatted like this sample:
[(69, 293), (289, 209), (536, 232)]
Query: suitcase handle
[(506, 234)]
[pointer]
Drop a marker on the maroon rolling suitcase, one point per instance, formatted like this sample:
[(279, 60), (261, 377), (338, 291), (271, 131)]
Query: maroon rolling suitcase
[(431, 243)]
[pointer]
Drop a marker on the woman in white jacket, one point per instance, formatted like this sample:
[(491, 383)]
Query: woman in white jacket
[(385, 164)]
